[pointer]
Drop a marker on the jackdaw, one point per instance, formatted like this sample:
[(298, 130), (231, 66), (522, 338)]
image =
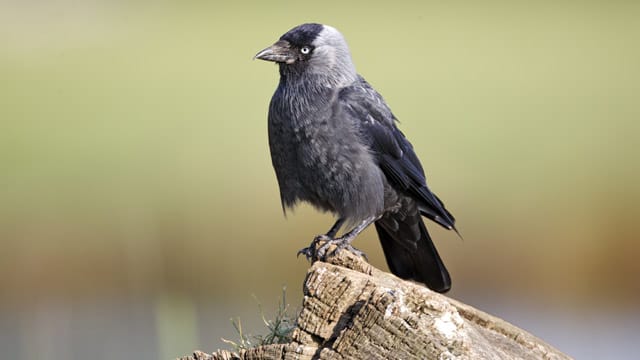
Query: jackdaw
[(334, 143)]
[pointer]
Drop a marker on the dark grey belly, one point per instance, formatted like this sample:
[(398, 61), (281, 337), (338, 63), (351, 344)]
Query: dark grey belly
[(336, 176)]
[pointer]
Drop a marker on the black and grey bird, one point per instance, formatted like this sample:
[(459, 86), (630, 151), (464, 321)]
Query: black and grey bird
[(334, 143)]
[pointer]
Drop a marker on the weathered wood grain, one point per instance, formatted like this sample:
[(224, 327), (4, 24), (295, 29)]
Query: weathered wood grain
[(353, 311)]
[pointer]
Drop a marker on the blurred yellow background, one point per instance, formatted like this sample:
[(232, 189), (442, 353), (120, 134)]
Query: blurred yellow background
[(138, 207)]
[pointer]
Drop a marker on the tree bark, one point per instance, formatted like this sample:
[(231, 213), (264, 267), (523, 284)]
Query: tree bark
[(352, 310)]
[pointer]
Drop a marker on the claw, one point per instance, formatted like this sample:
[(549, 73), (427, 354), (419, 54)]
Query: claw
[(307, 252), (311, 252), (318, 248), (347, 246)]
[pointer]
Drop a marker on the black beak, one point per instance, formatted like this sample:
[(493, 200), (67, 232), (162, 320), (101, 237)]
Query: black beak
[(279, 52)]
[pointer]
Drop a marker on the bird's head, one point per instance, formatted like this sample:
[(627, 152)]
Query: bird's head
[(312, 51)]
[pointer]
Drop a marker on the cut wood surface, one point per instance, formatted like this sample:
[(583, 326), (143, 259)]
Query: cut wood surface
[(352, 310)]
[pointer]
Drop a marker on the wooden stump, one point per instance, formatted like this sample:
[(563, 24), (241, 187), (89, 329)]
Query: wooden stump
[(352, 310)]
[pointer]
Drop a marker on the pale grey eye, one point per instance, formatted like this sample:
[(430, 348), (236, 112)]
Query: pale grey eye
[(305, 50)]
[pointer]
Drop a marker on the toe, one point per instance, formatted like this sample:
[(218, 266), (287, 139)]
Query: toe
[(307, 252)]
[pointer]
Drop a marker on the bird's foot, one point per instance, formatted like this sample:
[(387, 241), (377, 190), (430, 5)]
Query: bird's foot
[(319, 247), (308, 252)]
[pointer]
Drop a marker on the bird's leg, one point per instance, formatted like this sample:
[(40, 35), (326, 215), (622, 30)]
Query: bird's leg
[(308, 251), (341, 243), (344, 242), (334, 229)]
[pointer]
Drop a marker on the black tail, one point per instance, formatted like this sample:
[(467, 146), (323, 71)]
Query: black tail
[(410, 253)]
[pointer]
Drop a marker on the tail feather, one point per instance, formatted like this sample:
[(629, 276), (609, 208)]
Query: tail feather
[(410, 252)]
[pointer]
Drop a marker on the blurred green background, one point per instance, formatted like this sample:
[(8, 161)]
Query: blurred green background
[(138, 207)]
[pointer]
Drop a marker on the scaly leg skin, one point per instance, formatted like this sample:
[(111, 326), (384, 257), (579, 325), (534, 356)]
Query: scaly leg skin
[(341, 243), (334, 229), (308, 252)]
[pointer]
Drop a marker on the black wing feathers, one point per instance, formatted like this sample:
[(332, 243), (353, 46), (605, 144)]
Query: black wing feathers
[(393, 151), (421, 264)]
